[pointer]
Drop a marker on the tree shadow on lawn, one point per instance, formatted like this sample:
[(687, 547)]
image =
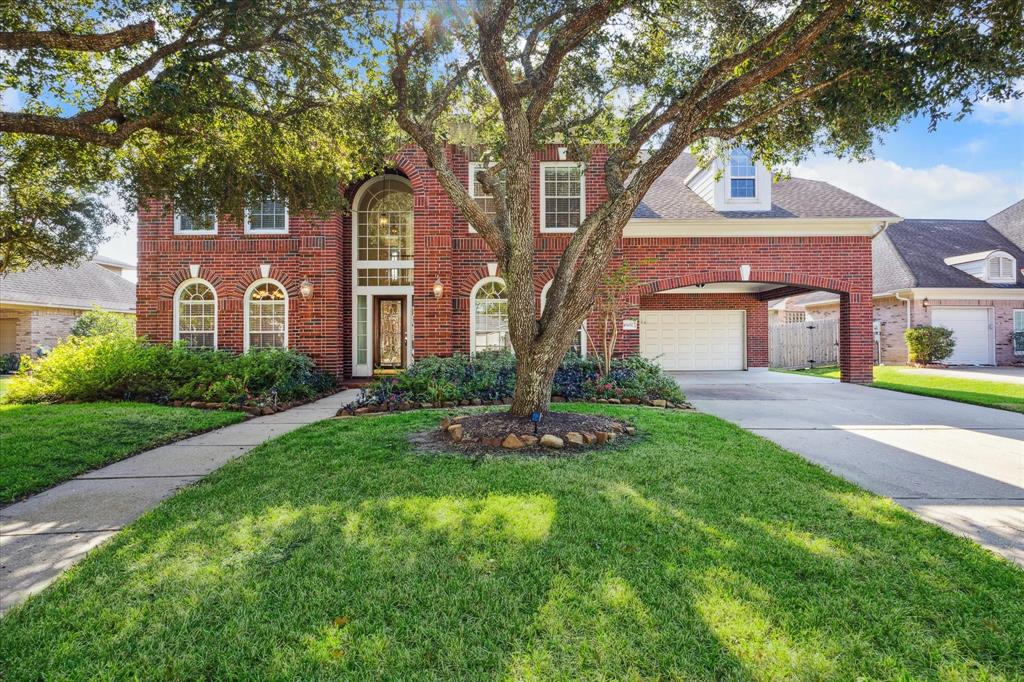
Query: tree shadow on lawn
[(701, 551), (1004, 402)]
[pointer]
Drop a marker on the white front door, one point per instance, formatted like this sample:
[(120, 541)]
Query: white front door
[(693, 339), (972, 333)]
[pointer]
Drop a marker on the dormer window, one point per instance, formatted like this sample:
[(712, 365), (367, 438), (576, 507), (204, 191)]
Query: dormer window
[(1000, 268), (742, 174)]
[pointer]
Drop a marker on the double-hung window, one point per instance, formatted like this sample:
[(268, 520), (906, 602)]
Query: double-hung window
[(204, 223), (562, 195), (1018, 332), (742, 178), (267, 216), (484, 200)]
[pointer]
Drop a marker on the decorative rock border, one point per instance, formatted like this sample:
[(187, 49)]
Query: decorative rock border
[(250, 410), (454, 429)]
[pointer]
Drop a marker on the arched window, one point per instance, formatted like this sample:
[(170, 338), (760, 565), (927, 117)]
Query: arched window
[(1001, 268), (266, 315), (384, 232), (579, 345), (489, 319), (195, 314)]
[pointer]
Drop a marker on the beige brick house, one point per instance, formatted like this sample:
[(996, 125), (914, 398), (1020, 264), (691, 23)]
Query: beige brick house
[(39, 306), (965, 275)]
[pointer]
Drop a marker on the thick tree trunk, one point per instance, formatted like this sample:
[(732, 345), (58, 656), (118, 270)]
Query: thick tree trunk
[(535, 373)]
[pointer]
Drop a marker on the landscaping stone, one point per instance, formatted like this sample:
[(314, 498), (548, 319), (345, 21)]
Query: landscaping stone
[(528, 439), (267, 410), (631, 430), (589, 438), (605, 437), (659, 403), (455, 431), (554, 442), (574, 438), (512, 442), (614, 401)]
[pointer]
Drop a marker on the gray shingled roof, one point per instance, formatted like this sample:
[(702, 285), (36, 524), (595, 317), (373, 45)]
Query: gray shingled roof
[(1010, 222), (671, 199), (911, 253), (81, 286)]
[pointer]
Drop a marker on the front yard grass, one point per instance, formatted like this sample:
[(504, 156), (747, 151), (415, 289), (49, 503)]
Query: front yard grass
[(42, 445), (999, 394), (696, 551)]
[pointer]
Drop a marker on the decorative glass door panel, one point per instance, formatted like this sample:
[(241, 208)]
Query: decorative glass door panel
[(390, 337)]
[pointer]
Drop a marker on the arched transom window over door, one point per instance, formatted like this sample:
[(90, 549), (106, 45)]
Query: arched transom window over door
[(384, 233), (490, 316), (195, 314), (266, 316)]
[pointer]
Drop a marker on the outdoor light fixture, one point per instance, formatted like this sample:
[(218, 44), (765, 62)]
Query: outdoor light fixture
[(925, 303), (745, 273), (438, 288), (306, 288)]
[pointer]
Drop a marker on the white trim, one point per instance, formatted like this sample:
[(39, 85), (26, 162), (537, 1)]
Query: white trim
[(755, 227), (1001, 255), (991, 325), (969, 257), (543, 195), (583, 327), (287, 219), (245, 310), (190, 233), (176, 332), (472, 308), (963, 293), (13, 304), (471, 187), (1013, 329)]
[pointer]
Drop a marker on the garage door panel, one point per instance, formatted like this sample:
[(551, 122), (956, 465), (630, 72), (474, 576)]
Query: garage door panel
[(693, 339), (972, 334)]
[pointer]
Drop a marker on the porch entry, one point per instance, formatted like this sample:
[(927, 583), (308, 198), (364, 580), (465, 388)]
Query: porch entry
[(390, 333)]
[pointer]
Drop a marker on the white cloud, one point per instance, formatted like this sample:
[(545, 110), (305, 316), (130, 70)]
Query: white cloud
[(1008, 112), (935, 192)]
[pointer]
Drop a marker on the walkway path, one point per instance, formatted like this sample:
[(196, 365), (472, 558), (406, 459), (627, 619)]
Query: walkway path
[(960, 466), (46, 534)]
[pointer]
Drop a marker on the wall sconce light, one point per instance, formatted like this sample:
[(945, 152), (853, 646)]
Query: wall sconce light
[(306, 288), (925, 303), (438, 288), (745, 273)]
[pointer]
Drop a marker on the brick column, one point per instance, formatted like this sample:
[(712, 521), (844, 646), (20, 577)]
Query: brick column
[(856, 339)]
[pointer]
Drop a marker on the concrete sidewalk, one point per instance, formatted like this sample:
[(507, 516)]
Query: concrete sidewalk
[(46, 534), (959, 466)]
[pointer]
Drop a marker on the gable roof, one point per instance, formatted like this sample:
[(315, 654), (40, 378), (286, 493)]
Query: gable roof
[(1010, 223), (913, 253), (670, 198), (79, 286)]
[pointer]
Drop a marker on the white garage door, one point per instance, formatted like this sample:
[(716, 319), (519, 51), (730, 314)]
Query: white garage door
[(693, 339), (971, 331)]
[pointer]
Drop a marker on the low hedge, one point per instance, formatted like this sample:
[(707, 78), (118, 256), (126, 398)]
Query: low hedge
[(123, 367), (490, 377)]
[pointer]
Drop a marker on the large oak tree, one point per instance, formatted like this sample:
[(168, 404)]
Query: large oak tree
[(209, 102), (649, 79)]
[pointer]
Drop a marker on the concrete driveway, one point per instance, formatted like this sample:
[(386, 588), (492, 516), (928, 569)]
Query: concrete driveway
[(960, 466)]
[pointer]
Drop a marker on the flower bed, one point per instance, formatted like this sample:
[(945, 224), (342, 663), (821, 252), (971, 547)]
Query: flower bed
[(489, 379), (122, 367)]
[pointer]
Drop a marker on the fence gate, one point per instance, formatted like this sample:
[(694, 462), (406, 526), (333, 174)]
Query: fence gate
[(803, 344)]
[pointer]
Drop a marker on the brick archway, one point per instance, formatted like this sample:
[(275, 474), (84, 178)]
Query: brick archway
[(796, 281)]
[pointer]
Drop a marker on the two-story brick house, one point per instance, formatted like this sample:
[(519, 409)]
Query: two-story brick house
[(403, 276)]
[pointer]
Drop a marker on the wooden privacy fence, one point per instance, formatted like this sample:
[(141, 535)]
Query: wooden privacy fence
[(803, 344)]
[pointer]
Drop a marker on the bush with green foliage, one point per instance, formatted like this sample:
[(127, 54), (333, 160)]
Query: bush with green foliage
[(119, 367), (9, 363), (491, 376), (97, 322), (929, 344)]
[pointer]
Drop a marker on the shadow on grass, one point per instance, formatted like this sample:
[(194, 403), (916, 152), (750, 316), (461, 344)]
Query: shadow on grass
[(701, 552)]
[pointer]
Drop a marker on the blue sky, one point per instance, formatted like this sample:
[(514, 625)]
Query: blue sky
[(968, 169)]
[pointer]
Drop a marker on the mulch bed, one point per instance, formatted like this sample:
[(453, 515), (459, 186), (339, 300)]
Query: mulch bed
[(500, 424)]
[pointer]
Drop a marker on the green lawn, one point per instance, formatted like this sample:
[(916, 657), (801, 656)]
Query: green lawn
[(698, 551), (1000, 394), (42, 445)]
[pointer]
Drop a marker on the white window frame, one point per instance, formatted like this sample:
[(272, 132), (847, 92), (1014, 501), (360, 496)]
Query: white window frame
[(472, 309), (287, 219), (471, 185), (752, 176), (583, 327), (999, 279), (245, 311), (1017, 324), (543, 195), (177, 302), (187, 233)]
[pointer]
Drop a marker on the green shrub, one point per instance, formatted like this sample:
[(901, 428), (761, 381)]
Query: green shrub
[(929, 344), (97, 322), (119, 367), (492, 376), (9, 363)]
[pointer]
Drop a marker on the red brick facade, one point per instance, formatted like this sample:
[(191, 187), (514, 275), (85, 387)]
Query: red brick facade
[(445, 248)]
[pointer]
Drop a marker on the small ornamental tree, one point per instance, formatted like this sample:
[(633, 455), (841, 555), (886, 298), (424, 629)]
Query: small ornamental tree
[(929, 344), (648, 79), (608, 306)]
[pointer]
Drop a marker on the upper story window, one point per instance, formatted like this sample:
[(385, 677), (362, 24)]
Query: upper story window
[(484, 200), (384, 220), (205, 223), (267, 216), (195, 314), (1000, 268), (562, 196), (742, 183)]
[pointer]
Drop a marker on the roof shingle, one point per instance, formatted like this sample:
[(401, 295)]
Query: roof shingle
[(80, 286)]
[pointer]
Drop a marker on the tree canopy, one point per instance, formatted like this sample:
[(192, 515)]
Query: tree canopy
[(208, 102)]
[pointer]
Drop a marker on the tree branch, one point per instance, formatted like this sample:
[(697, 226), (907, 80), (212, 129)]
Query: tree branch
[(94, 42)]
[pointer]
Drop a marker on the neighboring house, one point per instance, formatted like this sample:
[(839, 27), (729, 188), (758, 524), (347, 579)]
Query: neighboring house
[(965, 275), (403, 276), (39, 306)]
